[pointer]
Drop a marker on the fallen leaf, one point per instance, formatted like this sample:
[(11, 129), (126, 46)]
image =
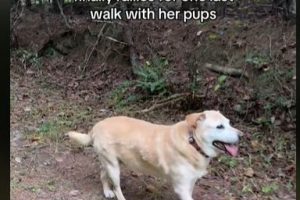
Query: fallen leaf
[(18, 159), (133, 174), (213, 36), (237, 108), (59, 159), (239, 43), (249, 172), (272, 119), (46, 163), (27, 109), (255, 144), (29, 72), (74, 193), (278, 122), (151, 188), (199, 33), (265, 68), (246, 97), (36, 138), (73, 85)]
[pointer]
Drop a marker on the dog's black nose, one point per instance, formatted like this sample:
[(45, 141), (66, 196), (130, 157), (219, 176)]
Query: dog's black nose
[(241, 134), (240, 137)]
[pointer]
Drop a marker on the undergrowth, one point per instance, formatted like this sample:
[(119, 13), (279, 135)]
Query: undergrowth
[(151, 78), (27, 58), (150, 82)]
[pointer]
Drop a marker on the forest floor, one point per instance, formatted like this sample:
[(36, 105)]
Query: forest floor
[(48, 101)]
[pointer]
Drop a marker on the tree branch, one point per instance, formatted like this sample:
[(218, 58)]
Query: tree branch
[(226, 70), (63, 15), (87, 59)]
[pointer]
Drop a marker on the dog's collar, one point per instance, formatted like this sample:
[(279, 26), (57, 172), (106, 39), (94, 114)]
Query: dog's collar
[(193, 142)]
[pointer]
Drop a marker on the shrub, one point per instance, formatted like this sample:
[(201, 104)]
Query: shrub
[(151, 77)]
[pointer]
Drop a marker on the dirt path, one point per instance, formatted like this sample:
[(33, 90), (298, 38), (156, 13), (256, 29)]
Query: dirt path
[(44, 166), (47, 169)]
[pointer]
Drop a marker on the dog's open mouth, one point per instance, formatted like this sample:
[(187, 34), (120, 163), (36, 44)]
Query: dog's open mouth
[(231, 149)]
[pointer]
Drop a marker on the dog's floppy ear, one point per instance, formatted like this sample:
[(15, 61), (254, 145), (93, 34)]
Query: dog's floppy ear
[(192, 119)]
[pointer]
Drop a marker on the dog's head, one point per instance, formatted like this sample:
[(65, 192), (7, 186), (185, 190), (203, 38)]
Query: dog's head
[(214, 133)]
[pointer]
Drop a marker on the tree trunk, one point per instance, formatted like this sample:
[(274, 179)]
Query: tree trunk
[(28, 3), (56, 6), (292, 7)]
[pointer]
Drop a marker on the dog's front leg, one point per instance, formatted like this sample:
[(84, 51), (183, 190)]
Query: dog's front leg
[(184, 188)]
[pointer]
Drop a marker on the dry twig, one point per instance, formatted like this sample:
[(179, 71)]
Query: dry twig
[(172, 99), (115, 40), (63, 15), (86, 60), (17, 15)]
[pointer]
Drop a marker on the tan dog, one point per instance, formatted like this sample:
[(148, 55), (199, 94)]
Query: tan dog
[(179, 153)]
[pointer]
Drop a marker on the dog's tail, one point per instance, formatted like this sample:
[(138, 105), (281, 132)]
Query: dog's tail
[(83, 139)]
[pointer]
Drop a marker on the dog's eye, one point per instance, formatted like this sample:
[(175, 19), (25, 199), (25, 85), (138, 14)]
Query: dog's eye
[(220, 126)]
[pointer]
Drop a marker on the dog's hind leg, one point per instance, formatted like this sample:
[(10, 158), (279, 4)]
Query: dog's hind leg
[(113, 171), (108, 192), (110, 176)]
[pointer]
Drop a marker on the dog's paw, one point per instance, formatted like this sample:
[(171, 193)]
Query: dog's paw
[(109, 194)]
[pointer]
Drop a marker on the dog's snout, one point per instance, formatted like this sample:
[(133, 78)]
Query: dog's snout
[(239, 133)]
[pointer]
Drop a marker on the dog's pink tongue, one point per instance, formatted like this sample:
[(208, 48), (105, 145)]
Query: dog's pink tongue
[(232, 150)]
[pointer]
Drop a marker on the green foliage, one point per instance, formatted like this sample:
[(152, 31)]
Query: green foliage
[(120, 97), (220, 82), (28, 58), (213, 36), (51, 52), (51, 185), (118, 94), (257, 60), (194, 86), (263, 121), (268, 189), (196, 78), (227, 161), (247, 189), (151, 77), (267, 85), (51, 130)]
